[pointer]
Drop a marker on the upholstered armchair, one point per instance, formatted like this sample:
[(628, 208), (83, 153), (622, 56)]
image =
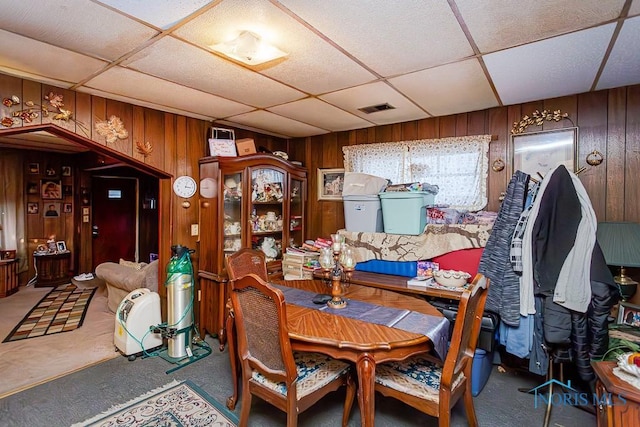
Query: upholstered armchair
[(122, 278)]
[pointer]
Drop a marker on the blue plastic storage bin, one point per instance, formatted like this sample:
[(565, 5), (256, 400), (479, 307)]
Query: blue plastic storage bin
[(405, 212), (397, 268), (480, 370)]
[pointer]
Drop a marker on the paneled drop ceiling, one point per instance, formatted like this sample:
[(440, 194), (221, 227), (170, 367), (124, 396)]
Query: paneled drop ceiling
[(424, 57)]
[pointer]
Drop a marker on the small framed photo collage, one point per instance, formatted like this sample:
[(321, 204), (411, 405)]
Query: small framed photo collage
[(49, 190)]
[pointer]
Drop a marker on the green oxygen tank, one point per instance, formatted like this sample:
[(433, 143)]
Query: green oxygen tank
[(180, 301)]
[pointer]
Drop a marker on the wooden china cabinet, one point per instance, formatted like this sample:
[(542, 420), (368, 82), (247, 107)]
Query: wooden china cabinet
[(255, 201)]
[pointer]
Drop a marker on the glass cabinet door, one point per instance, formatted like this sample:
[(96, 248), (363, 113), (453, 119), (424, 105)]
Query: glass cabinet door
[(296, 212), (232, 224), (266, 216)]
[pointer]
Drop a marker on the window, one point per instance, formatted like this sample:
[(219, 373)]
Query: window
[(458, 166)]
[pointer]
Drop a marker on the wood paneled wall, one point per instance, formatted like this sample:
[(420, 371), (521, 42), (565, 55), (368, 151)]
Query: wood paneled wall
[(178, 141), (608, 121)]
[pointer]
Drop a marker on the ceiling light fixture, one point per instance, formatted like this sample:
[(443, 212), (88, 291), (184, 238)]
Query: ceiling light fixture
[(250, 49)]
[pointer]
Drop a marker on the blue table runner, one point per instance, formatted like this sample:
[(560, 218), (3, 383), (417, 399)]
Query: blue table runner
[(436, 328)]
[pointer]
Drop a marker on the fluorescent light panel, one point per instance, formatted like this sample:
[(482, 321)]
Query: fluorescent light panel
[(250, 49)]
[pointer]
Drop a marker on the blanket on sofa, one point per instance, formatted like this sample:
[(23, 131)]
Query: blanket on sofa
[(437, 239)]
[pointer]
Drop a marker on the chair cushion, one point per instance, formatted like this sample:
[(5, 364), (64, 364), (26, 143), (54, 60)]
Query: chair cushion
[(417, 376), (315, 370)]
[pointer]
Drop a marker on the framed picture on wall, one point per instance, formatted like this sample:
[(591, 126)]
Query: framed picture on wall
[(34, 168), (51, 189), (67, 190), (51, 210), (629, 314), (330, 184), (32, 208), (66, 171), (32, 188), (536, 153), (67, 208)]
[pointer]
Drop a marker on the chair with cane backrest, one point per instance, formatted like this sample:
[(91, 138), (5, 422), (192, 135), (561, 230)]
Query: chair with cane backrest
[(291, 381), (244, 261), (434, 388)]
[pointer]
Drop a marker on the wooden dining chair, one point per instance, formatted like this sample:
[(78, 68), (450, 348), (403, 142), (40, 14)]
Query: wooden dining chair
[(238, 264), (291, 381), (434, 387)]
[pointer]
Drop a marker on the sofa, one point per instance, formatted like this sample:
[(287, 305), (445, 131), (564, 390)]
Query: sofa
[(125, 276)]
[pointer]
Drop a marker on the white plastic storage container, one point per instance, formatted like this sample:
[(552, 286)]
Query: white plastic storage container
[(405, 212), (363, 213)]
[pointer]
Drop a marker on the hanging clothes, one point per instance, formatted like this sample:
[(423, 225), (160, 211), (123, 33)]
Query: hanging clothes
[(503, 295), (564, 268)]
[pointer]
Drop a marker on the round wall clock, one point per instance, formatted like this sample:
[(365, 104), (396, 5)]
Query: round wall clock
[(185, 186)]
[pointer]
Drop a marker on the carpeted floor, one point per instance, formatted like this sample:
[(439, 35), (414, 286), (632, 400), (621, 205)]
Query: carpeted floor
[(28, 362), (85, 393)]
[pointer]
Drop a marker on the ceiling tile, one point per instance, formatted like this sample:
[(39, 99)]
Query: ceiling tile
[(199, 69), (375, 94), (138, 86), (276, 124), (550, 68), (531, 20), (623, 65), (389, 37), (449, 89), (318, 113), (70, 24), (635, 8), (162, 14), (126, 99), (39, 59), (312, 64)]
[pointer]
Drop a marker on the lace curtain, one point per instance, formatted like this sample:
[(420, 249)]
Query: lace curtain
[(457, 165), (12, 206)]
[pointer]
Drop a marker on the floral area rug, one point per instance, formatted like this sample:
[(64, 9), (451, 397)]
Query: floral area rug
[(61, 310), (178, 404)]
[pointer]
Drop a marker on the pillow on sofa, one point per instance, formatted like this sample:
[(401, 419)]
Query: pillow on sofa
[(134, 265)]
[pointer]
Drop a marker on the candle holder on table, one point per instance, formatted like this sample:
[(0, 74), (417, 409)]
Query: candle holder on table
[(338, 263)]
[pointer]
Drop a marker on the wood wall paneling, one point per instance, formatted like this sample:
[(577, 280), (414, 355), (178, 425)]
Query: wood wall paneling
[(614, 156), (608, 120), (447, 126), (592, 124), (99, 112), (632, 154), (477, 123), (154, 133), (83, 114), (498, 150), (138, 131)]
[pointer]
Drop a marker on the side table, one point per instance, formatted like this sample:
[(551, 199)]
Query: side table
[(51, 269), (8, 277), (619, 401)]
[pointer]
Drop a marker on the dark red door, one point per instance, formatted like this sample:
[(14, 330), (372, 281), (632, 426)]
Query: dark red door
[(114, 226)]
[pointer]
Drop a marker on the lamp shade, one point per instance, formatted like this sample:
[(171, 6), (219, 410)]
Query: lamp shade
[(620, 243)]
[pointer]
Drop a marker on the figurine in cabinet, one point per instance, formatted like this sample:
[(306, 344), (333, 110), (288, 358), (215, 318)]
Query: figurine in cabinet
[(269, 247)]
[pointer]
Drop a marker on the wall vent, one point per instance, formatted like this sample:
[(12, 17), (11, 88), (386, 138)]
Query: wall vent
[(375, 108)]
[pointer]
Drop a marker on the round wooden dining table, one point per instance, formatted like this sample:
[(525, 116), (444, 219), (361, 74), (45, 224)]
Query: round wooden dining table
[(363, 343)]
